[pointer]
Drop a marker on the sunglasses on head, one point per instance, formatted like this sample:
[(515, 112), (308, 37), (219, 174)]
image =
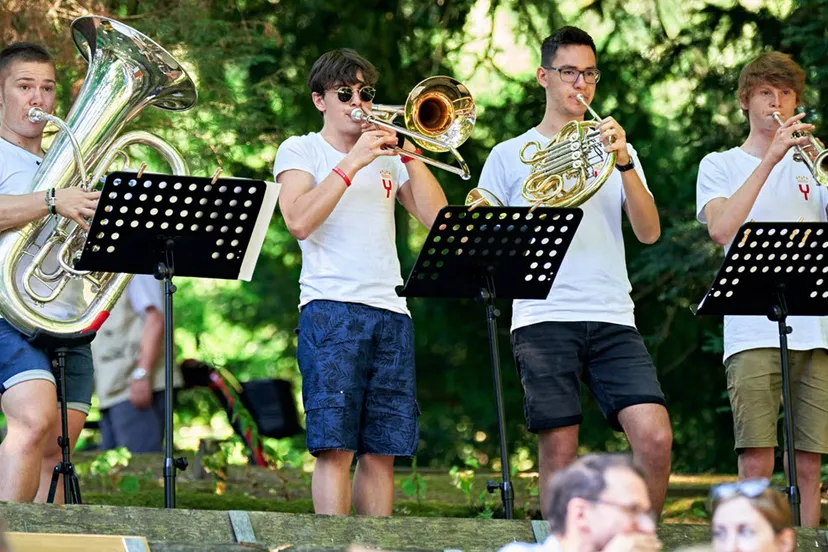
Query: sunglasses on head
[(366, 93), (749, 488)]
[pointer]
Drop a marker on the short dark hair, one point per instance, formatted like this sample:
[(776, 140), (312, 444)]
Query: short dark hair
[(774, 68), (340, 67), (565, 36), (22, 51), (585, 478)]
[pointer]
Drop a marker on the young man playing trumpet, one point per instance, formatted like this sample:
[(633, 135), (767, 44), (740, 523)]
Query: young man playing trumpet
[(760, 180), (356, 343), (585, 330), (29, 453)]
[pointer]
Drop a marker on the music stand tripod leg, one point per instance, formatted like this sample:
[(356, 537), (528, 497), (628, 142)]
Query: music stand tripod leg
[(71, 487), (506, 491), (165, 271), (779, 315)]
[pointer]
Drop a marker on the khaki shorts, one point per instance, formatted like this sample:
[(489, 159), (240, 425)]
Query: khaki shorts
[(754, 385)]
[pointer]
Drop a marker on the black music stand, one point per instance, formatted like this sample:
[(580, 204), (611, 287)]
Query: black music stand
[(489, 253), (58, 345), (775, 269), (168, 225)]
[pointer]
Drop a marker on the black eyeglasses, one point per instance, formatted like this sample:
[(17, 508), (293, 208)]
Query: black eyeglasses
[(749, 488), (632, 509), (570, 74), (366, 93)]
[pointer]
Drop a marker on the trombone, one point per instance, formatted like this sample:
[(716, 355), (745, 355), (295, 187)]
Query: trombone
[(439, 115), (813, 155)]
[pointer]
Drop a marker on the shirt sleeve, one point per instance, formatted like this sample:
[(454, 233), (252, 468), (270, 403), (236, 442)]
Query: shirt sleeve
[(293, 154), (711, 183), (145, 291), (493, 177), (402, 173)]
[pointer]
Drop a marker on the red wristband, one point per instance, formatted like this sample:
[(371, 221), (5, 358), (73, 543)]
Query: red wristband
[(344, 176), (406, 159)]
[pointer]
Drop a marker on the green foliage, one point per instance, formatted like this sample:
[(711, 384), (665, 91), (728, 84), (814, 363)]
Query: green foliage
[(670, 72), (414, 486)]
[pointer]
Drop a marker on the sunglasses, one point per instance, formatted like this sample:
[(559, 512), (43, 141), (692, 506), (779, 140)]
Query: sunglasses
[(749, 488), (366, 93)]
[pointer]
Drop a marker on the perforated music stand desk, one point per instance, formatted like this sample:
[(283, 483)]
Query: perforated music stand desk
[(489, 253), (168, 225), (775, 269)]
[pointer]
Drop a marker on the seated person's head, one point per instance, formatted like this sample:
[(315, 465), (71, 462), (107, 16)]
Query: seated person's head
[(751, 516), (597, 498)]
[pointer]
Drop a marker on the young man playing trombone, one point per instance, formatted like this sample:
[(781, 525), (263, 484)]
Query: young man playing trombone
[(585, 330), (356, 342), (29, 453), (760, 180)]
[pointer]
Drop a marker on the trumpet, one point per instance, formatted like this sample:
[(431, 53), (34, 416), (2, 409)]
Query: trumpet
[(439, 115), (813, 155), (575, 152)]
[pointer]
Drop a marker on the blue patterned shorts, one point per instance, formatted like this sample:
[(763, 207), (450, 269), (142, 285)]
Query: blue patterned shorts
[(358, 379), (20, 362)]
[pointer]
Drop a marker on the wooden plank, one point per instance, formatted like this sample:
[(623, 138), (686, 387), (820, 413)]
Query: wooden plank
[(62, 542)]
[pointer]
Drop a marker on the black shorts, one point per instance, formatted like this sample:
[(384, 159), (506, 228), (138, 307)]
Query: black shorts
[(552, 359)]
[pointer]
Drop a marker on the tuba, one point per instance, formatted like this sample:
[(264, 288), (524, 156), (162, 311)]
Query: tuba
[(813, 154), (39, 286), (439, 115), (566, 172)]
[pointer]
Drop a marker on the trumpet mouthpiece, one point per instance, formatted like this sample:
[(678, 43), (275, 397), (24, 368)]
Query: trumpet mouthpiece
[(37, 115)]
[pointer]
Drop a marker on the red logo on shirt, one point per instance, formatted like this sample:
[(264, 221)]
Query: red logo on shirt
[(805, 190), (387, 183)]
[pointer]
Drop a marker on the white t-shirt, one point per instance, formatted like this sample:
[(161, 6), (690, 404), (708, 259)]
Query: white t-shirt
[(352, 256), (788, 194), (17, 169), (592, 284)]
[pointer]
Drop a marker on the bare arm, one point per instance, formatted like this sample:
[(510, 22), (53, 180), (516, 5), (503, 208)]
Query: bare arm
[(74, 203), (639, 204), (152, 340), (305, 206), (640, 208), (725, 215), (423, 196)]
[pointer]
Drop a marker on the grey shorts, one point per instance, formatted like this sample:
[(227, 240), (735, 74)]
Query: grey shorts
[(754, 385), (123, 425), (553, 358)]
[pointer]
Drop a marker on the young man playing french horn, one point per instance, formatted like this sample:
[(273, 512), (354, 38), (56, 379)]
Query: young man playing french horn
[(29, 453), (356, 340), (760, 180), (585, 330)]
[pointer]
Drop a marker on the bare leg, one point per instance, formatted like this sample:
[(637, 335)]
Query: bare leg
[(331, 486), (808, 466), (374, 485), (52, 455), (29, 410), (557, 448), (648, 430), (755, 462)]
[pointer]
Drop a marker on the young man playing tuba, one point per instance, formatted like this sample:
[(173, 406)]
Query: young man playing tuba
[(585, 330), (29, 453), (760, 180), (356, 342)]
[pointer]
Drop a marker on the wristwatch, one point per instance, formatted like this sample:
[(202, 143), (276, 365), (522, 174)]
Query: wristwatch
[(627, 167), (139, 374)]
